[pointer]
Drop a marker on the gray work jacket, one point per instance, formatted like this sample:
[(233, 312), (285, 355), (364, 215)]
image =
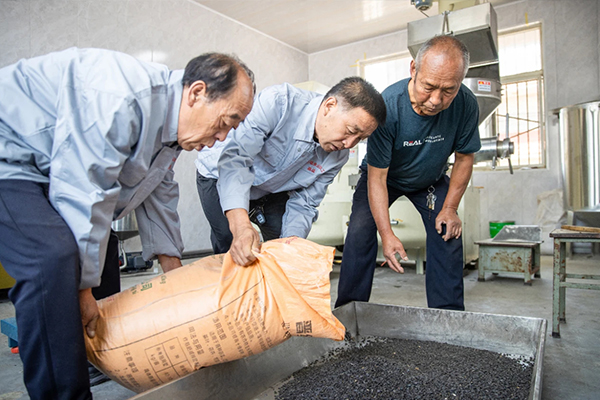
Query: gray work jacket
[(274, 151), (101, 128)]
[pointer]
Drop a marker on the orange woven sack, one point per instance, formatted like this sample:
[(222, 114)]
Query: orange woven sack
[(213, 311)]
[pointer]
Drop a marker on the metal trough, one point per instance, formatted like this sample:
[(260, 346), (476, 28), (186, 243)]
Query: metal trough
[(253, 378)]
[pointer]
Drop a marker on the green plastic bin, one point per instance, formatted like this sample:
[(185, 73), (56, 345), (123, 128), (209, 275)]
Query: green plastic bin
[(496, 226)]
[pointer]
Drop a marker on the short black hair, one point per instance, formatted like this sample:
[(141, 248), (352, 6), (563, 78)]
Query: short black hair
[(355, 92), (218, 71)]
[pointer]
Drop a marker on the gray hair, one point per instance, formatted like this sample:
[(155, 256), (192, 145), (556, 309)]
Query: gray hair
[(219, 72), (445, 42)]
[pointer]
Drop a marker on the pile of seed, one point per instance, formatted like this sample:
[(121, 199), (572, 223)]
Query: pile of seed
[(385, 368)]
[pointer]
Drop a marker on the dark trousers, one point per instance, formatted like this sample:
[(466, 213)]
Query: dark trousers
[(444, 273), (273, 206), (38, 250)]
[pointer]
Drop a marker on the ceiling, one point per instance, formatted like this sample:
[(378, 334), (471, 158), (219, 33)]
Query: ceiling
[(315, 25)]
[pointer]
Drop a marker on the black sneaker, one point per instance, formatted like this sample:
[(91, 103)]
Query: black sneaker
[(96, 376)]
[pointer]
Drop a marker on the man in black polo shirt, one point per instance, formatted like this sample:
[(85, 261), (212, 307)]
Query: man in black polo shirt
[(430, 116)]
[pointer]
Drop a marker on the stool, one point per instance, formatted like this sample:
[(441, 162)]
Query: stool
[(559, 284), (8, 327), (509, 257)]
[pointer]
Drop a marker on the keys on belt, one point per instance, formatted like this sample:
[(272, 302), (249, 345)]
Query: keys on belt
[(431, 198)]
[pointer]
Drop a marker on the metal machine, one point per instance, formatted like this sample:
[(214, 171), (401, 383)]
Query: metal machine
[(579, 133), (494, 149), (127, 228), (475, 25), (580, 161)]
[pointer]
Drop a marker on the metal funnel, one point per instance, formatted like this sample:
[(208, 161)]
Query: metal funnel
[(476, 27)]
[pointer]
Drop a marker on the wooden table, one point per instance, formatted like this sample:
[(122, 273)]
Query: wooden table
[(559, 283)]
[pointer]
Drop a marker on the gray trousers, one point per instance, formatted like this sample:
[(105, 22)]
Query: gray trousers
[(271, 205)]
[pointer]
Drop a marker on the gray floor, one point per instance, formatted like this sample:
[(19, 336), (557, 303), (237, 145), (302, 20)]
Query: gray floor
[(571, 363)]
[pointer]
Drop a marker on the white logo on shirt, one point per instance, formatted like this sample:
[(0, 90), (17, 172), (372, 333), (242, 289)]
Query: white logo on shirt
[(428, 139), (433, 139)]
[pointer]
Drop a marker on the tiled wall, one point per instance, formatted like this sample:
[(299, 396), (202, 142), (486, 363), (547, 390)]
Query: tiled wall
[(165, 31), (570, 37)]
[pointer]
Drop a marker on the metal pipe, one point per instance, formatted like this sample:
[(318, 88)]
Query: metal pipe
[(493, 148), (122, 250)]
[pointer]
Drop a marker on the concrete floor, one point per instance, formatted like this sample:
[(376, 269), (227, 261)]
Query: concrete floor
[(571, 363)]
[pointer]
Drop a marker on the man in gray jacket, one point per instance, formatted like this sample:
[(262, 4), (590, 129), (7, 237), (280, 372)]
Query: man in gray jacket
[(278, 164), (87, 136)]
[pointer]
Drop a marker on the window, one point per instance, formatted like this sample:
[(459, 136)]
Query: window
[(384, 71), (521, 74), (520, 101)]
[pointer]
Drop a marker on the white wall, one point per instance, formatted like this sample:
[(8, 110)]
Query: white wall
[(570, 37), (165, 31), (331, 66), (174, 31)]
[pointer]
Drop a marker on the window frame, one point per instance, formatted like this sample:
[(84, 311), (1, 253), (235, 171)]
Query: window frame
[(494, 118)]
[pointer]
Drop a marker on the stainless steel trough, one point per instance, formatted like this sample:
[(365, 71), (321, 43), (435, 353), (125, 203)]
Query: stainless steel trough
[(255, 377)]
